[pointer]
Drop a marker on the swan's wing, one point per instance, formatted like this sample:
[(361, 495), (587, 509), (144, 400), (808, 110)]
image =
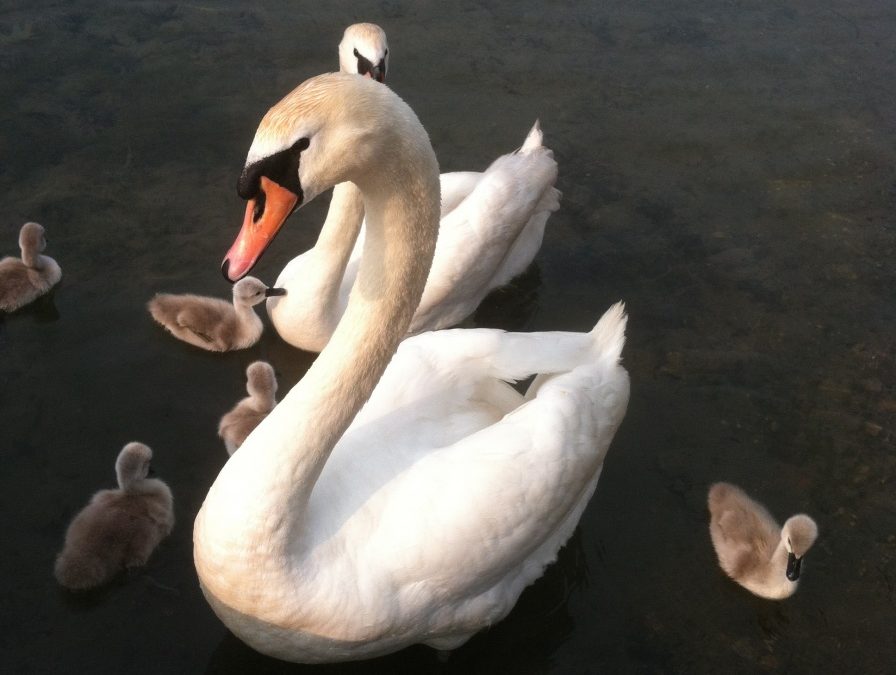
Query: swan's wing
[(495, 507), (484, 512), (476, 236), (457, 186)]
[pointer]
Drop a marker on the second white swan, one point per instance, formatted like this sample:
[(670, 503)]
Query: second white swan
[(492, 225)]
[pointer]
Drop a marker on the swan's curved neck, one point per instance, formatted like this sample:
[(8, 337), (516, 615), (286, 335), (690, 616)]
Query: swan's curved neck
[(334, 247), (251, 529)]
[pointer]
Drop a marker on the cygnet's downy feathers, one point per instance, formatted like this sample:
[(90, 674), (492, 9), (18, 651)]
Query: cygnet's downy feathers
[(23, 280), (212, 323), (238, 423), (119, 528)]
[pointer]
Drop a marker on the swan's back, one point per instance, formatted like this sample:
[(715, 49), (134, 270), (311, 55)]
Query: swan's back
[(491, 235), (489, 528)]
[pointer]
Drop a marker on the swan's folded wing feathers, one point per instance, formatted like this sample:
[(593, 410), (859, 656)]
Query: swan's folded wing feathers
[(476, 237), (487, 524)]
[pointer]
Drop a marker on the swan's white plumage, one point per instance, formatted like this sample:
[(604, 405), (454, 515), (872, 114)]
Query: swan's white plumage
[(449, 491), (369, 42), (492, 226)]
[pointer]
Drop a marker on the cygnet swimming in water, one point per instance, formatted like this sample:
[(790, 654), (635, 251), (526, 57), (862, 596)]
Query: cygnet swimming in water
[(23, 280), (211, 323), (752, 548), (119, 528), (236, 425)]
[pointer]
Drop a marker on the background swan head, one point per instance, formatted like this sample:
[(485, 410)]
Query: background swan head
[(329, 129), (132, 465), (798, 534), (250, 291), (364, 51)]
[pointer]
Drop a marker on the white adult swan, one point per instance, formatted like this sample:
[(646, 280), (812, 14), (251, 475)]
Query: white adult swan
[(492, 225), (449, 493)]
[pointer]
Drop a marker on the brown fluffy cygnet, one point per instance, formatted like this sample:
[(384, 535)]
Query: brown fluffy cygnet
[(119, 528), (23, 280), (236, 425), (211, 323), (752, 548)]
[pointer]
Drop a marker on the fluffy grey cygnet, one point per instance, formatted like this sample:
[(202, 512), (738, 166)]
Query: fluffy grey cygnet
[(212, 323), (236, 425), (119, 528), (752, 548), (23, 280)]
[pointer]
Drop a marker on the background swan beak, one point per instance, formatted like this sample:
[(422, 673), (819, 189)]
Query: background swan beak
[(274, 291), (793, 567), (265, 215)]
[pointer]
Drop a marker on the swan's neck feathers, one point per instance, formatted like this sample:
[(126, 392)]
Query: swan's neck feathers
[(333, 249), (252, 526)]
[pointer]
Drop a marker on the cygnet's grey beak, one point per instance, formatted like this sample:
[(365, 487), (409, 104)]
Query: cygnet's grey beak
[(793, 566), (274, 291)]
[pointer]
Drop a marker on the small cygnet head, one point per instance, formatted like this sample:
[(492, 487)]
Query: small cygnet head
[(32, 238), (260, 380), (133, 465), (364, 51), (249, 291), (798, 535)]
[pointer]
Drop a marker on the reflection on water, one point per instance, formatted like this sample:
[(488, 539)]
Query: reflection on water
[(726, 169)]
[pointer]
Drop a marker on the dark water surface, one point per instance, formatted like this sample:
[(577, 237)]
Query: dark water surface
[(727, 169)]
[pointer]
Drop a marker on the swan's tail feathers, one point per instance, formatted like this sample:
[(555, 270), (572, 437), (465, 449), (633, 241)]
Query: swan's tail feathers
[(609, 333), (82, 571), (534, 139)]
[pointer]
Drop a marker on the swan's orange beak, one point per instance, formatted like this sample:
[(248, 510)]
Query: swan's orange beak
[(264, 217)]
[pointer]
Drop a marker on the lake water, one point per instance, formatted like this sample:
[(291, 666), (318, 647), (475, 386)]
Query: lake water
[(727, 169)]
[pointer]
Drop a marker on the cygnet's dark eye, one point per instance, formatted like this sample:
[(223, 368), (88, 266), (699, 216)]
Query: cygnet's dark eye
[(386, 53)]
